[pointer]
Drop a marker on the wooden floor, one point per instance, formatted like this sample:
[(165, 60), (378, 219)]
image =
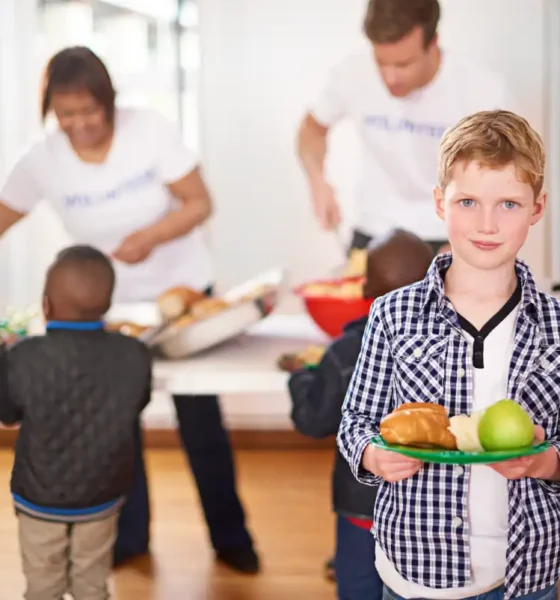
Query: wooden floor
[(287, 497)]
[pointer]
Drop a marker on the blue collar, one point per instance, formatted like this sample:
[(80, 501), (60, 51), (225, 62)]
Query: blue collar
[(75, 325)]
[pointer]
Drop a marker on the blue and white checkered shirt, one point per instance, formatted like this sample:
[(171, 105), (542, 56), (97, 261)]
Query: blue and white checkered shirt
[(413, 350)]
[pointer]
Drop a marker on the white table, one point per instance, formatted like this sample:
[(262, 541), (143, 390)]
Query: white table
[(246, 364)]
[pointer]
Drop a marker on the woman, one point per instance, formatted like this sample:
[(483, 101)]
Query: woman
[(122, 180)]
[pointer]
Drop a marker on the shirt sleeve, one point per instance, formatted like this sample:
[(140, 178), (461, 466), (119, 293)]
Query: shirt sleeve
[(368, 398), (21, 190), (174, 159), (330, 106)]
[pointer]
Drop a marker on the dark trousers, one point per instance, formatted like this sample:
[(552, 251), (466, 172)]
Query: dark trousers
[(354, 563), (209, 453), (361, 240)]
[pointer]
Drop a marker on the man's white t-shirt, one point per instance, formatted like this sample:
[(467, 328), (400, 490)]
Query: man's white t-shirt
[(488, 491), (400, 137), (101, 204)]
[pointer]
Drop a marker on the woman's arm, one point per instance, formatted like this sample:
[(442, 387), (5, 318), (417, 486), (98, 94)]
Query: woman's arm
[(196, 207), (8, 217)]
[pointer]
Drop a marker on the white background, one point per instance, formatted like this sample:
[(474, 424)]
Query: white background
[(262, 62)]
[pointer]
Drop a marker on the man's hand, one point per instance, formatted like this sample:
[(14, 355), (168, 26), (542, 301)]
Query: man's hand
[(136, 247), (325, 206), (391, 466), (541, 466)]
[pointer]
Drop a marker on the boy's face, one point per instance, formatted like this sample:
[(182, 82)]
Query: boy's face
[(488, 213)]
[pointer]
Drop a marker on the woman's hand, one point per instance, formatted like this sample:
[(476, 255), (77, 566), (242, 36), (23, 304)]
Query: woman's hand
[(136, 247)]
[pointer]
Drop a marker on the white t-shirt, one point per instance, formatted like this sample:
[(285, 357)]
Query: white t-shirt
[(400, 137), (488, 491), (101, 204)]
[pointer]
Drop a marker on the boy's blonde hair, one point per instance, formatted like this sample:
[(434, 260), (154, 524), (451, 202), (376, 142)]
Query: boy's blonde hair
[(494, 139)]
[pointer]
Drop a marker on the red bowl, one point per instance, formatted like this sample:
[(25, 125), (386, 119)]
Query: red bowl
[(332, 314)]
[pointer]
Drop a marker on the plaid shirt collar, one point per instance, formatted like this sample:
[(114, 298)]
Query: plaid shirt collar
[(434, 291)]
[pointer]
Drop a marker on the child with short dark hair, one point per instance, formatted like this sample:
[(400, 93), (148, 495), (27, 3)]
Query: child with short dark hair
[(77, 392), (394, 260)]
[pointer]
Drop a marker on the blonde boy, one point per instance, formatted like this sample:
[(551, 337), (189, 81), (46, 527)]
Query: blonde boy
[(476, 330)]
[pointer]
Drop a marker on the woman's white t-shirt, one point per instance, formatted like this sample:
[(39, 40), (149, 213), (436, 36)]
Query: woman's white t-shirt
[(399, 137), (101, 204)]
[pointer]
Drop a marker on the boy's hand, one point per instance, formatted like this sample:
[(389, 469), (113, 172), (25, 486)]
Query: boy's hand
[(391, 466), (527, 466)]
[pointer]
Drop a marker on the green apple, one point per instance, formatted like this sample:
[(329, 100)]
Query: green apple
[(505, 426)]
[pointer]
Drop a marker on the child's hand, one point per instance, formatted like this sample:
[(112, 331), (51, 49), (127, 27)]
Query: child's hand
[(391, 466), (527, 466)]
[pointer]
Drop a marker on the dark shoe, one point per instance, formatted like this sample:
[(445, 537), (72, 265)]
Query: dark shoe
[(244, 561), (329, 570)]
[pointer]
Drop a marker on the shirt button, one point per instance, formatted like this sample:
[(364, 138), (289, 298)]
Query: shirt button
[(457, 522), (458, 471), (417, 352), (461, 372)]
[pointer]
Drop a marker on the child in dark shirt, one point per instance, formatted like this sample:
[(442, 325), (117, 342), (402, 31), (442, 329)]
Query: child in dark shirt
[(77, 393), (393, 261)]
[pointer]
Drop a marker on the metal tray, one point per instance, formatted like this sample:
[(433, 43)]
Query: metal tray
[(173, 342)]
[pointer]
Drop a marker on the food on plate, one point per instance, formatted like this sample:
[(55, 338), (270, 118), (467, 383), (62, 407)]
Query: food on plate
[(177, 301), (312, 355), (127, 328), (335, 289), (505, 426), (357, 263), (184, 321), (208, 307), (465, 430), (418, 424)]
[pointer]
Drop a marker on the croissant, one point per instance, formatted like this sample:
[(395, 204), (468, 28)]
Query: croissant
[(419, 424), (177, 301)]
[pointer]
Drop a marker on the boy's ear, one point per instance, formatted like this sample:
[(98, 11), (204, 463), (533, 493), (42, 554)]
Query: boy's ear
[(46, 307), (439, 201), (538, 208)]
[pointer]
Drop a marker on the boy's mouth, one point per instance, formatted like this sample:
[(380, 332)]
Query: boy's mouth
[(486, 245)]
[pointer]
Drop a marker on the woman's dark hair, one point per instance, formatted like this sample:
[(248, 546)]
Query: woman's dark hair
[(74, 69)]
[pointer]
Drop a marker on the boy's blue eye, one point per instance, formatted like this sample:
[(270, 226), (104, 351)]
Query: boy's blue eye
[(467, 202), (509, 204)]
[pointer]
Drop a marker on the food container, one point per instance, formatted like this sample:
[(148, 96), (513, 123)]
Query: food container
[(330, 309), (249, 303)]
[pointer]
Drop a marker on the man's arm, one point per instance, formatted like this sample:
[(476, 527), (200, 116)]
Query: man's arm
[(312, 150)]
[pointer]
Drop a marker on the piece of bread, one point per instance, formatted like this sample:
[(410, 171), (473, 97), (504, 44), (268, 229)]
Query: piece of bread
[(184, 321), (127, 328), (421, 425), (208, 307), (177, 301)]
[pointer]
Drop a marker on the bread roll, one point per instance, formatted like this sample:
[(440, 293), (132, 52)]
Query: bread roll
[(208, 307), (422, 425), (177, 301), (127, 328)]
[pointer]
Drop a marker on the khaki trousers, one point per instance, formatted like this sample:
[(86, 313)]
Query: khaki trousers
[(62, 558)]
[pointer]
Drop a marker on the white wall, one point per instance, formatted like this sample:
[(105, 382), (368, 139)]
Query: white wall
[(262, 63)]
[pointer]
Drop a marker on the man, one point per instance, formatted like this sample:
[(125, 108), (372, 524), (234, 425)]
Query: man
[(401, 95)]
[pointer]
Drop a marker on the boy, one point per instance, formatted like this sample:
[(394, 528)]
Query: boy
[(77, 392), (394, 260), (476, 330)]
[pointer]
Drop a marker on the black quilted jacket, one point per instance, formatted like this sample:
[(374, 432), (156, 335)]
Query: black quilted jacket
[(77, 395), (317, 397)]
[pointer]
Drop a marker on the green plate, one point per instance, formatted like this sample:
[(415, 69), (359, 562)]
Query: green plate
[(456, 457)]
